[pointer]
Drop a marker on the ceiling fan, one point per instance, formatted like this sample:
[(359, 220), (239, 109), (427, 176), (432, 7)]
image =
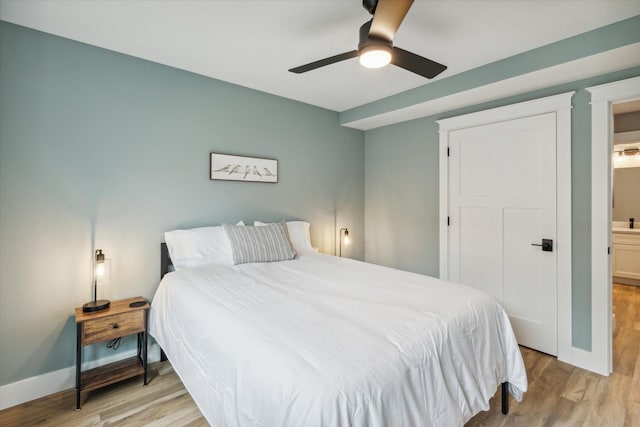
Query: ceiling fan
[(376, 48)]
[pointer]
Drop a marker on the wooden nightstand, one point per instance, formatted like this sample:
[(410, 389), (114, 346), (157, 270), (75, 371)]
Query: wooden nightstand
[(118, 320)]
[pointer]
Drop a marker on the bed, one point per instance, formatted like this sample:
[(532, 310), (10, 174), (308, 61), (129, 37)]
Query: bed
[(325, 341)]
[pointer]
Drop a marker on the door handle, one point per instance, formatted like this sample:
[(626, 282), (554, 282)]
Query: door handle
[(547, 245)]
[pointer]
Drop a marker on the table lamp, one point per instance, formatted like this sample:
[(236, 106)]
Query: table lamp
[(99, 274), (344, 238)]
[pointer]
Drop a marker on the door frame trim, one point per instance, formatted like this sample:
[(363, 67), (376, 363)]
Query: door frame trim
[(561, 106), (602, 98)]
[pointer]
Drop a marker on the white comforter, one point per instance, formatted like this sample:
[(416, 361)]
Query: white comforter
[(326, 341)]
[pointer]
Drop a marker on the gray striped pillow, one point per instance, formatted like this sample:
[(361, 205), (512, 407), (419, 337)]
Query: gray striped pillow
[(267, 243)]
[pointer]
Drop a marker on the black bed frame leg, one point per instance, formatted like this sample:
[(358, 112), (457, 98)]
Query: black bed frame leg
[(163, 356), (505, 398)]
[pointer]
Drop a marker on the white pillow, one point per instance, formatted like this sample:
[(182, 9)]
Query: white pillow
[(298, 234), (199, 246)]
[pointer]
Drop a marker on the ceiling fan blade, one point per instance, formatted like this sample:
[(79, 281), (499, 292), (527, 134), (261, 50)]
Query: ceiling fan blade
[(416, 63), (388, 17), (323, 62)]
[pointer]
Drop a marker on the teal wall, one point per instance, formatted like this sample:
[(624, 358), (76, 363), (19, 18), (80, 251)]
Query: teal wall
[(402, 182), (102, 150), (401, 196)]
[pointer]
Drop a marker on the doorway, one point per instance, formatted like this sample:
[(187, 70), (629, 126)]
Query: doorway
[(600, 358), (625, 242)]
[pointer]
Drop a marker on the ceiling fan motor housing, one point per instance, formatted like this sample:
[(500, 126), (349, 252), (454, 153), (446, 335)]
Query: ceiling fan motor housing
[(367, 40)]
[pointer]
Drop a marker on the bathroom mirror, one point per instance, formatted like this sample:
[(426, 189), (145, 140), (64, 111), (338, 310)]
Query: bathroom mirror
[(626, 190), (626, 180), (626, 162)]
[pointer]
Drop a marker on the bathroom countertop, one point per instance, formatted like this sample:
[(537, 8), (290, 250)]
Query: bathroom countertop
[(623, 227)]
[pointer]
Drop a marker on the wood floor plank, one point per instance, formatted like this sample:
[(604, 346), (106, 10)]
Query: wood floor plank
[(580, 386), (132, 407), (567, 413), (200, 422), (559, 394), (634, 396), (164, 413), (625, 353), (633, 415), (542, 395), (610, 406)]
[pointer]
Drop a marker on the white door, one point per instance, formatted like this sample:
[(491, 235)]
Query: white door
[(502, 202)]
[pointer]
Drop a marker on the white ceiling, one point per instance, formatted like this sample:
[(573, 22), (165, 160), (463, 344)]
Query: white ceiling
[(254, 43)]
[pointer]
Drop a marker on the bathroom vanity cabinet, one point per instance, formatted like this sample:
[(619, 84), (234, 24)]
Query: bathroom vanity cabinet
[(626, 257)]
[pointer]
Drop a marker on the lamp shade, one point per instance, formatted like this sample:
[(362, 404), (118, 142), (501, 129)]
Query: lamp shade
[(344, 238), (101, 270)]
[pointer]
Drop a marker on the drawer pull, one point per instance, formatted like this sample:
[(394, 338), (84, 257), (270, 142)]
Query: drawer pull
[(115, 326)]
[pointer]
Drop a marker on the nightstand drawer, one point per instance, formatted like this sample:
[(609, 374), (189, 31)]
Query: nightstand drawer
[(109, 327)]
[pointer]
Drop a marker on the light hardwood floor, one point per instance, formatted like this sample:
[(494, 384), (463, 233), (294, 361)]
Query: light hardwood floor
[(559, 394)]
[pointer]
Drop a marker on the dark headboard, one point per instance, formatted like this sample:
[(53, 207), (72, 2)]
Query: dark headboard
[(165, 260)]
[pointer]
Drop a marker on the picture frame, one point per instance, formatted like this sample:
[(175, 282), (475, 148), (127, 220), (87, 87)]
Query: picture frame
[(230, 167)]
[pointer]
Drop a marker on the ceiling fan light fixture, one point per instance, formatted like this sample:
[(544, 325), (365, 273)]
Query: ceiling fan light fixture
[(375, 56)]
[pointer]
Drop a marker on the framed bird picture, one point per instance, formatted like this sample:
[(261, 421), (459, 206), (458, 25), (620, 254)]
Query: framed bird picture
[(229, 167)]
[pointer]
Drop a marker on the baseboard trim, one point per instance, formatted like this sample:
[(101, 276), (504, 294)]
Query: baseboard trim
[(63, 379), (626, 281)]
